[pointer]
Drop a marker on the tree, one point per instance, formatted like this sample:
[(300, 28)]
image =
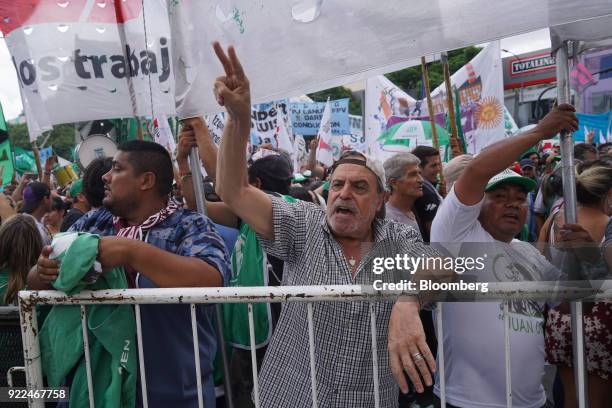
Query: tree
[(62, 138), (410, 79), (338, 92)]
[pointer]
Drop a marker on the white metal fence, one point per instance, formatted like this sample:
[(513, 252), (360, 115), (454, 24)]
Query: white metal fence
[(585, 290)]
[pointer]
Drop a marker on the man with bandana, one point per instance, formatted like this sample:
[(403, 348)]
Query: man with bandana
[(159, 244)]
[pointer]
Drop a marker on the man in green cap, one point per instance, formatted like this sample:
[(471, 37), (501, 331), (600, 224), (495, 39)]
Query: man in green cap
[(481, 215), (80, 205)]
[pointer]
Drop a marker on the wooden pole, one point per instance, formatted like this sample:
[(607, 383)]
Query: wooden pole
[(37, 160), (432, 120), (454, 136), (139, 134), (430, 109)]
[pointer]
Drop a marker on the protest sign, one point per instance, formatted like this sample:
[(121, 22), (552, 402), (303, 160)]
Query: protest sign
[(306, 117), (263, 122)]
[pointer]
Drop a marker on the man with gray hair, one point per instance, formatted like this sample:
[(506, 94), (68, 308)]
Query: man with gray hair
[(335, 246), (405, 185)]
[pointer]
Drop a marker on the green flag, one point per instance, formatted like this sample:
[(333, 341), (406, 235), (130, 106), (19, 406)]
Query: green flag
[(6, 162), (6, 157), (3, 127)]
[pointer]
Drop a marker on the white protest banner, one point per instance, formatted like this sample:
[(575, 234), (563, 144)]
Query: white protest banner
[(481, 97), (329, 43), (383, 99), (325, 150), (306, 117), (84, 60), (391, 38)]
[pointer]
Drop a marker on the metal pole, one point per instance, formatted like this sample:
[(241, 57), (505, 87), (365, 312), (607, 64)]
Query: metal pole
[(313, 365), (363, 116), (507, 355), (198, 181), (432, 119), (31, 349), (198, 190), (569, 195), (90, 391), (196, 353), (454, 137), (430, 109), (441, 368)]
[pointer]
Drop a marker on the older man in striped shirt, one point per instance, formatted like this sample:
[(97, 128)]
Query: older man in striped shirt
[(331, 247)]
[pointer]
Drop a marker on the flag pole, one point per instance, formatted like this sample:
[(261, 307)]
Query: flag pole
[(569, 195), (37, 160), (454, 136), (432, 120)]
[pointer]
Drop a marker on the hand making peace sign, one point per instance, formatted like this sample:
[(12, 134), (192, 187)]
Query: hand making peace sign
[(232, 90)]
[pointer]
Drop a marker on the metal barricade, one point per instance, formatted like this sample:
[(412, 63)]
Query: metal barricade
[(585, 290)]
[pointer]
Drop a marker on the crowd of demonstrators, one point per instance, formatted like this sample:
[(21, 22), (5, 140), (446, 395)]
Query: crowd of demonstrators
[(265, 226)]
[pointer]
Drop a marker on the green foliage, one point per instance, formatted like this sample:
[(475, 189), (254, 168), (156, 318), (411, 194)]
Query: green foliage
[(338, 92), (62, 138), (410, 79)]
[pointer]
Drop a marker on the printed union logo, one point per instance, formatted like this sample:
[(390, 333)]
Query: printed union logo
[(25, 13)]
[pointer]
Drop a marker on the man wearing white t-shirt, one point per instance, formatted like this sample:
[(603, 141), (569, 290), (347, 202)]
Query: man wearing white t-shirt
[(488, 204)]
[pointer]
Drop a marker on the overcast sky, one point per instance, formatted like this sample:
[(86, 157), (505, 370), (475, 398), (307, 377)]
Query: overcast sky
[(11, 101)]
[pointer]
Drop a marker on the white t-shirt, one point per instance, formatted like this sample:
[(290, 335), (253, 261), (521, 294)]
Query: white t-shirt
[(44, 234), (474, 331)]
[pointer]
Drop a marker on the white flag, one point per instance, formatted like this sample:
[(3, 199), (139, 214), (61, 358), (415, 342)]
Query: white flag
[(283, 139), (325, 152), (163, 134), (480, 87), (299, 152)]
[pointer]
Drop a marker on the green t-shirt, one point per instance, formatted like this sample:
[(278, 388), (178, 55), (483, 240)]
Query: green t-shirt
[(4, 276)]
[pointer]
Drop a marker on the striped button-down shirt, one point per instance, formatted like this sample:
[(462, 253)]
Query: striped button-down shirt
[(343, 348)]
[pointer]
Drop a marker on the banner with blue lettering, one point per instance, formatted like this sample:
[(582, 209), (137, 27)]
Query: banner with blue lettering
[(306, 117)]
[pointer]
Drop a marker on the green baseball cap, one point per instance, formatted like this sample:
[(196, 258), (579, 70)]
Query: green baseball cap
[(510, 176), (76, 187)]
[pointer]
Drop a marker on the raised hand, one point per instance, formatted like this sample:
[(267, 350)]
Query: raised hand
[(232, 90), (187, 141), (561, 118)]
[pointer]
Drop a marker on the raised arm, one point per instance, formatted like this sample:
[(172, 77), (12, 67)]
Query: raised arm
[(249, 203), (499, 156)]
